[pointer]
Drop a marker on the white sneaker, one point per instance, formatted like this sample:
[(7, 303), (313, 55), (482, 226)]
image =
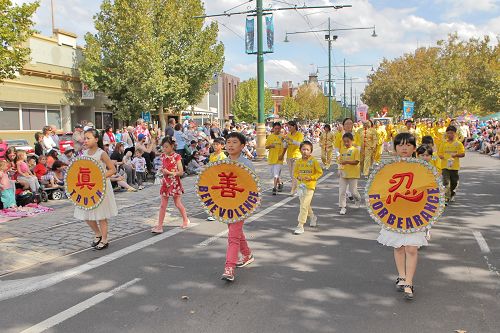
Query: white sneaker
[(298, 230), (428, 235), (313, 221), (343, 211), (452, 199), (210, 218)]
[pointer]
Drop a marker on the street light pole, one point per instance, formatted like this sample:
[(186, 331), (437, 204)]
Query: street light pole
[(261, 126), (329, 73)]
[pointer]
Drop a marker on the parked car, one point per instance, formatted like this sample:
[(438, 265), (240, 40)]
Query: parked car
[(21, 144), (65, 141)]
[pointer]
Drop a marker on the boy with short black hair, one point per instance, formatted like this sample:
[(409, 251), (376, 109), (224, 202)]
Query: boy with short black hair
[(236, 240), (450, 151), (218, 154)]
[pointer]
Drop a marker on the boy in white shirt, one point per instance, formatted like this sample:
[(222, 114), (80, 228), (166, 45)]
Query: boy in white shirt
[(139, 164)]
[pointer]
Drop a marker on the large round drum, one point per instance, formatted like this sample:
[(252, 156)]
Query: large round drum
[(229, 191), (85, 183), (405, 195)]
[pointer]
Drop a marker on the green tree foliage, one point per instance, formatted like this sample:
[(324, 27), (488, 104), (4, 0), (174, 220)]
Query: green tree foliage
[(290, 109), (445, 80), (244, 106), (313, 105), (16, 26), (151, 54)]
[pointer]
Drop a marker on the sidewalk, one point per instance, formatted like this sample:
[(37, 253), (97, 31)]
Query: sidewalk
[(28, 241)]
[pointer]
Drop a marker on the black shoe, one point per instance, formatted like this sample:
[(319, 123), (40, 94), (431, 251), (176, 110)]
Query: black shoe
[(400, 287), (96, 241), (409, 295), (274, 191), (101, 246), (280, 187)]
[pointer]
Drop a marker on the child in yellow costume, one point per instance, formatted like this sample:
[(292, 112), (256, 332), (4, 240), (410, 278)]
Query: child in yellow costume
[(326, 142), (369, 142), (438, 132)]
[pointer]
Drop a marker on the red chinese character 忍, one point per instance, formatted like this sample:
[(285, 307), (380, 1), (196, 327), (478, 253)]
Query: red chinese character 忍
[(410, 195), (228, 185), (84, 179)]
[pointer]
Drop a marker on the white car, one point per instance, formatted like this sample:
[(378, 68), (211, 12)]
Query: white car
[(21, 144)]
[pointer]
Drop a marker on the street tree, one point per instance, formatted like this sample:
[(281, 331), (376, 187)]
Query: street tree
[(313, 105), (152, 54), (244, 106), (16, 27), (289, 108)]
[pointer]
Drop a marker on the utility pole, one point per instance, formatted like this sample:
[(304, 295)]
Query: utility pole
[(345, 96), (350, 106), (261, 125), (329, 72), (53, 18)]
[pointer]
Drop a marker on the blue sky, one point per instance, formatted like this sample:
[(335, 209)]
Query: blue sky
[(401, 27)]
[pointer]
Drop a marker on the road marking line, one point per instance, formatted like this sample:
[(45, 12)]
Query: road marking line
[(481, 241), (260, 214), (77, 309), (15, 288)]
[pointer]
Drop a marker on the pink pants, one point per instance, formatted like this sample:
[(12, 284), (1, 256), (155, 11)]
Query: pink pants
[(236, 243)]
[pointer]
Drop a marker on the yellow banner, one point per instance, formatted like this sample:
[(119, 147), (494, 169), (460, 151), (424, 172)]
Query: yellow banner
[(228, 191), (85, 183), (405, 195)]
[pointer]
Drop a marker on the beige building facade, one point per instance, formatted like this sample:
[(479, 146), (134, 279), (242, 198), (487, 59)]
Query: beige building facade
[(48, 91)]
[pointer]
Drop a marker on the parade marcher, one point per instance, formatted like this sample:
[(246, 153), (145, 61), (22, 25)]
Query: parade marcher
[(369, 142), (438, 132), (236, 241), (349, 172), (307, 171), (326, 142), (293, 139), (274, 143), (107, 208), (405, 244), (450, 152), (381, 134), (171, 185)]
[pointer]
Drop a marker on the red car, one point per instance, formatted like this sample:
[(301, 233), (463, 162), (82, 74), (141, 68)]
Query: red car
[(66, 141)]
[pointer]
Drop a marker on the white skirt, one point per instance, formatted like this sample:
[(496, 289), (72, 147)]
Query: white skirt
[(396, 239), (105, 210)]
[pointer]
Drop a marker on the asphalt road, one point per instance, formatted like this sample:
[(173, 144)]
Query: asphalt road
[(334, 278)]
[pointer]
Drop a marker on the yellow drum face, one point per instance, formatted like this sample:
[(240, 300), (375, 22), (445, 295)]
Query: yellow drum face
[(228, 191), (405, 195), (85, 183)]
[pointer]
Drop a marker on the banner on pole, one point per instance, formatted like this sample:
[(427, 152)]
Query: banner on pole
[(408, 109), (250, 36)]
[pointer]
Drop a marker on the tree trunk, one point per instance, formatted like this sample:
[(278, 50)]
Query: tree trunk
[(163, 121)]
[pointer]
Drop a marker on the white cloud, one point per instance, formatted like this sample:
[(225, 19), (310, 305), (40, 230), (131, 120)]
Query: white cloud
[(457, 8)]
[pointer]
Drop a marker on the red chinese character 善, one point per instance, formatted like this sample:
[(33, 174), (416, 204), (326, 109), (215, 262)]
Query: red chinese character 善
[(227, 185), (409, 195), (84, 179)]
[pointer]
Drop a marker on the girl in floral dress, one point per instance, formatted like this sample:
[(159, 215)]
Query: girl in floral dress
[(171, 185)]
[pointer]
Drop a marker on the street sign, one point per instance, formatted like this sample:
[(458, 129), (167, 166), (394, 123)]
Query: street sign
[(146, 116)]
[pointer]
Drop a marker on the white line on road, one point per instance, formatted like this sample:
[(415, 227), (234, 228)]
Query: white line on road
[(15, 288), (481, 241), (257, 216), (77, 309)]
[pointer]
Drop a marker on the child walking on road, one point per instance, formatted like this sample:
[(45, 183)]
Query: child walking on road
[(171, 184), (405, 244), (307, 171), (107, 208), (236, 241), (349, 170)]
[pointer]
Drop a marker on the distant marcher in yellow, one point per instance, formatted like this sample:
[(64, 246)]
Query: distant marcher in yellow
[(274, 143), (450, 152), (349, 172), (326, 142), (293, 139), (307, 171), (369, 142), (381, 133)]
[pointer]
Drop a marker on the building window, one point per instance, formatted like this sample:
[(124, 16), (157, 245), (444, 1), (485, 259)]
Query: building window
[(33, 119), (9, 119), (54, 117), (103, 119)]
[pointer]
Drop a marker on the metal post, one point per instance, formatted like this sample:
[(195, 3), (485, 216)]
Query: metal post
[(53, 19), (345, 91), (329, 73), (261, 126), (351, 98)]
